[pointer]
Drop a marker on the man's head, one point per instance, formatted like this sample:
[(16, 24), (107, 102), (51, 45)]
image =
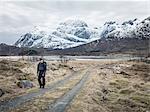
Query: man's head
[(41, 60)]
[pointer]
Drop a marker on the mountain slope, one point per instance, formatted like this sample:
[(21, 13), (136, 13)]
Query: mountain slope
[(100, 47), (135, 41), (9, 50), (129, 29), (68, 34), (73, 33)]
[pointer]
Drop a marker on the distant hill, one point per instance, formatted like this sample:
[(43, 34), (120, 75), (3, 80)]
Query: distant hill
[(9, 50), (133, 46)]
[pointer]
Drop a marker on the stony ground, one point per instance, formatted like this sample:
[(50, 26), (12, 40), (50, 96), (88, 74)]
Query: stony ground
[(112, 86)]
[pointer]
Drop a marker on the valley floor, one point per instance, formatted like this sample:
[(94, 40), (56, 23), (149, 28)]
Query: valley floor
[(77, 86)]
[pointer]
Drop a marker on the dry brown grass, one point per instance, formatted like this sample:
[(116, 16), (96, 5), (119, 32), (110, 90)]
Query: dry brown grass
[(42, 102), (115, 87), (11, 72)]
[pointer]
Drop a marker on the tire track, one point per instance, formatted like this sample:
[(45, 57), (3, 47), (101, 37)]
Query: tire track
[(17, 101), (61, 104)]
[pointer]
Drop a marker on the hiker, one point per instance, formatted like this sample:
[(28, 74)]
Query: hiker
[(41, 71)]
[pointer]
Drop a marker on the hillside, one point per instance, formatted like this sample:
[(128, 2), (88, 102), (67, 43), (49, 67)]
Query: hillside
[(9, 50), (99, 47)]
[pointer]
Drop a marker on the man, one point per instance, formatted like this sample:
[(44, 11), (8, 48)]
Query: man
[(41, 71)]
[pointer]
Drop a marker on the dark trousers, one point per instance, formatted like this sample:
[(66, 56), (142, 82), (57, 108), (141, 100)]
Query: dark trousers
[(41, 78)]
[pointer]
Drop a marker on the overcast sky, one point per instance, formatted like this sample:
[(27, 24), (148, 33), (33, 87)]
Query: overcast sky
[(19, 17)]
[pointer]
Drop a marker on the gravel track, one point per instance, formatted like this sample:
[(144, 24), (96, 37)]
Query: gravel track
[(62, 102), (17, 101)]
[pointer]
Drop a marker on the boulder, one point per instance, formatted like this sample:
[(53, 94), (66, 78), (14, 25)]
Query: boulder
[(25, 84)]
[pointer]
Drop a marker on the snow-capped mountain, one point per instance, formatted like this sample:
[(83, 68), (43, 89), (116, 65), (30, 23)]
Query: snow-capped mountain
[(72, 33), (143, 29), (68, 34), (128, 29), (115, 30)]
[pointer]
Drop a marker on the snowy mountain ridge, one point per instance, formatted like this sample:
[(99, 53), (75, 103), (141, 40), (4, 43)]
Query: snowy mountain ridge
[(72, 33), (68, 34)]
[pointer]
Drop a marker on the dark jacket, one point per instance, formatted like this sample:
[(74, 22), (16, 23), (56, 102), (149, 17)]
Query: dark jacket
[(42, 67)]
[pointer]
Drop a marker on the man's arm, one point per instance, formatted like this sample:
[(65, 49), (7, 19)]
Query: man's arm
[(45, 67), (37, 68)]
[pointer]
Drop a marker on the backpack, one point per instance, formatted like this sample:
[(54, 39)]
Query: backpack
[(42, 66)]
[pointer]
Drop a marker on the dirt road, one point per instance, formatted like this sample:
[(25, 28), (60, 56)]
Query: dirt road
[(74, 82), (62, 102)]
